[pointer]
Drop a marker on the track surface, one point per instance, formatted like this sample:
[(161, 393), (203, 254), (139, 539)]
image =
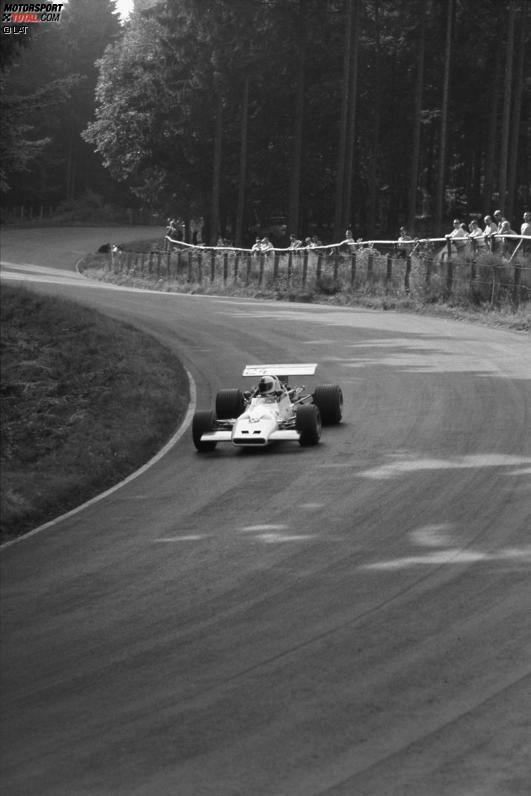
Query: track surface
[(347, 619)]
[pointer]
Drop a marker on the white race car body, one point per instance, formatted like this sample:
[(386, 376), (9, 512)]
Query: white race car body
[(263, 421), (255, 419)]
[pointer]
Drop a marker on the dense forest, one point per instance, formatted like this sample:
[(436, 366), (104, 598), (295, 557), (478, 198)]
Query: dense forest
[(305, 116)]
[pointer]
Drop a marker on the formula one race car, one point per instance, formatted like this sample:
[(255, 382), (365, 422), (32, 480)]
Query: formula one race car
[(270, 411)]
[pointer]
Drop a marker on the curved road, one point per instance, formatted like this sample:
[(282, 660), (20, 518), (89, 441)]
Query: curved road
[(347, 619)]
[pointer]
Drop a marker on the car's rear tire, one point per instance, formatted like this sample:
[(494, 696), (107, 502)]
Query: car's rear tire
[(308, 424), (329, 399), (202, 423), (229, 404)]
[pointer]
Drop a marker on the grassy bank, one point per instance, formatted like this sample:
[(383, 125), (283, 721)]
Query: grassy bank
[(85, 401), (489, 299)]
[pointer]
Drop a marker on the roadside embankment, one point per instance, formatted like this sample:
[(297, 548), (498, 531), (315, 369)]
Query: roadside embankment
[(86, 400)]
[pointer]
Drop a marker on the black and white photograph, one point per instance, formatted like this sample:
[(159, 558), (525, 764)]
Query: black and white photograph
[(265, 398)]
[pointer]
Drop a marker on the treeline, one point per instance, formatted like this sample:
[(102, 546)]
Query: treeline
[(308, 116), (48, 77)]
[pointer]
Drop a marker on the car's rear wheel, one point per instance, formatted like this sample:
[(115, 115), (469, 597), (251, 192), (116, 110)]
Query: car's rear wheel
[(202, 423), (308, 424), (329, 399), (229, 404)]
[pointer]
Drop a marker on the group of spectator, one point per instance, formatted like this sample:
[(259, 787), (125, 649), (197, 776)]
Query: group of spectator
[(312, 242), (495, 226), (262, 245)]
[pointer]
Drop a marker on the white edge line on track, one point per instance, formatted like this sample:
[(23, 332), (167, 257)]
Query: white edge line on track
[(162, 452)]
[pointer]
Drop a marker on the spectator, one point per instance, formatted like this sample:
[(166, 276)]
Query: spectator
[(403, 237), (490, 226), (499, 218), (315, 242), (491, 229), (266, 245), (256, 247), (505, 229), (525, 230), (476, 235), (457, 237), (348, 235), (294, 242)]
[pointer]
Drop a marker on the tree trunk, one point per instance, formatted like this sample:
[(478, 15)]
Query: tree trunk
[(216, 171), (351, 129), (490, 154), (517, 108), (507, 94), (373, 172), (441, 185), (412, 199), (298, 129), (240, 211), (343, 121)]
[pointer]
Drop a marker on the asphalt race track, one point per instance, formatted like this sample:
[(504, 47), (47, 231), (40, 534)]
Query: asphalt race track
[(353, 618)]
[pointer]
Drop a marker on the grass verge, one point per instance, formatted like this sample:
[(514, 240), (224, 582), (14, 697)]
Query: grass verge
[(85, 401), (463, 305)]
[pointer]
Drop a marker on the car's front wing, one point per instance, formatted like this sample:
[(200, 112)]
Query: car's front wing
[(248, 440)]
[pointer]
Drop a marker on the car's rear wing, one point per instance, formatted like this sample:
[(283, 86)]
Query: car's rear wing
[(304, 369)]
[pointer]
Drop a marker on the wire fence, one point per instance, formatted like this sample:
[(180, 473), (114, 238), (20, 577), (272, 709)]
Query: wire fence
[(494, 270)]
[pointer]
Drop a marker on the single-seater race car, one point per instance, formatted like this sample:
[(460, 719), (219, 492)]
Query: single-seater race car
[(270, 411)]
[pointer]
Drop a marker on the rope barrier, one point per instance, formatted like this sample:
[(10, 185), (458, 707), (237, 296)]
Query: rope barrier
[(355, 245)]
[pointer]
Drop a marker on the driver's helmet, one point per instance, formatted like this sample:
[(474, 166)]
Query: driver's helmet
[(268, 385)]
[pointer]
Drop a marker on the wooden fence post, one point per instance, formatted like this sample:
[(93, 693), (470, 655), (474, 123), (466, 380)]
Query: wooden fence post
[(261, 269), (370, 268), (225, 267), (248, 269), (190, 266), (236, 267), (449, 277), (290, 265), (408, 273), (352, 268), (305, 267), (388, 273), (212, 265), (199, 259), (319, 268), (516, 283)]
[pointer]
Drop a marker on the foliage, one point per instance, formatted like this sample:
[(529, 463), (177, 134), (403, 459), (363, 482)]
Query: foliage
[(47, 100), (198, 108)]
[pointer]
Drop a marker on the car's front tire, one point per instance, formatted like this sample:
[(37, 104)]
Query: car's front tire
[(329, 400), (308, 424), (202, 423), (229, 404)]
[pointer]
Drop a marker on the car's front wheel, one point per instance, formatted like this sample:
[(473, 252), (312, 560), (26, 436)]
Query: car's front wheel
[(308, 424), (202, 423), (229, 404), (329, 399)]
